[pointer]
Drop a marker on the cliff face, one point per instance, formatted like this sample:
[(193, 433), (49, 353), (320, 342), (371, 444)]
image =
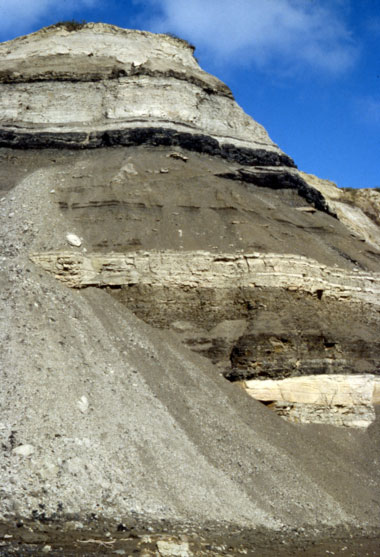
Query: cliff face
[(116, 80), (358, 209), (155, 243), (102, 86)]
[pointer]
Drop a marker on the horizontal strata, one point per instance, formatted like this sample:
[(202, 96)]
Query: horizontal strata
[(280, 178), (117, 103), (197, 269), (342, 400), (149, 78), (100, 86), (94, 43), (146, 135), (357, 209), (334, 390), (270, 169), (57, 68), (100, 77)]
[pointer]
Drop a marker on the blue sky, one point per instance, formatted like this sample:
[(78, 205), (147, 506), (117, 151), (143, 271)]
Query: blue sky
[(308, 70)]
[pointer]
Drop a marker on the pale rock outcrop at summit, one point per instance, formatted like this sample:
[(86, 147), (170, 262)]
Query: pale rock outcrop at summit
[(116, 79), (101, 86)]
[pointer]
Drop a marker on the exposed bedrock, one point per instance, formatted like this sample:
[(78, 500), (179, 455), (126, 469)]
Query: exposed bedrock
[(130, 88), (101, 77), (116, 418), (173, 270), (281, 179), (158, 136), (340, 400), (143, 214), (358, 209), (156, 197), (300, 318), (296, 294)]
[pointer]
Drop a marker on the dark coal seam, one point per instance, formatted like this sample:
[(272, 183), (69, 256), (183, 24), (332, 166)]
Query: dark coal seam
[(199, 143), (282, 179)]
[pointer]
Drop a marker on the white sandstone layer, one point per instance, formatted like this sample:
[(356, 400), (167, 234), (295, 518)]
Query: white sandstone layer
[(343, 400), (346, 390), (200, 269)]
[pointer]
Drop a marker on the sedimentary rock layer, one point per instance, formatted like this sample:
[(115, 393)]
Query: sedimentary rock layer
[(283, 178), (334, 390), (358, 209), (206, 270), (255, 315), (156, 136), (100, 77), (101, 86), (342, 400), (103, 415)]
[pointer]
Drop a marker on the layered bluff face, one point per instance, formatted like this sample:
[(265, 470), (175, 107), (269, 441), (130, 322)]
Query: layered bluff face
[(116, 80), (164, 264)]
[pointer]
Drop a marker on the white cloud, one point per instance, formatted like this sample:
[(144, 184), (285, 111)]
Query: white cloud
[(20, 15), (286, 32), (368, 110)]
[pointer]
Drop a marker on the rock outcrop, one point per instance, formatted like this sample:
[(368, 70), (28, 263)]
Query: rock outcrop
[(294, 337), (102, 86), (154, 243), (123, 82), (358, 209), (205, 270), (329, 399)]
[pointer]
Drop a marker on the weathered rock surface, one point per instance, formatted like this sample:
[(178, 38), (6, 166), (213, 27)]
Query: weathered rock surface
[(292, 335), (206, 270), (358, 209), (117, 200), (159, 422), (343, 400), (101, 86), (281, 308), (173, 208), (115, 79)]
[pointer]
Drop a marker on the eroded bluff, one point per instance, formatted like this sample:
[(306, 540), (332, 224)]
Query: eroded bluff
[(155, 242), (254, 278)]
